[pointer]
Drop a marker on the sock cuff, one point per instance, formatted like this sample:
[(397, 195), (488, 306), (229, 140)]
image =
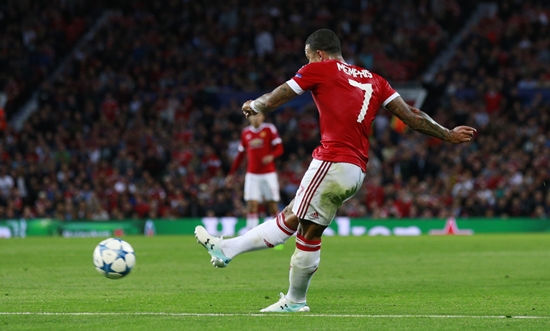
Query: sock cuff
[(307, 245), (283, 226), (251, 216)]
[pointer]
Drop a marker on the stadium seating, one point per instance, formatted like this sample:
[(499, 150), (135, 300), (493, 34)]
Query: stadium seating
[(132, 127), (35, 36)]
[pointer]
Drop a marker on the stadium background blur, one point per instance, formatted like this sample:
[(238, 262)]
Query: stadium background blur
[(138, 104)]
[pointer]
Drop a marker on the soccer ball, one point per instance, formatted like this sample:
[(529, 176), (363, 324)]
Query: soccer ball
[(114, 258)]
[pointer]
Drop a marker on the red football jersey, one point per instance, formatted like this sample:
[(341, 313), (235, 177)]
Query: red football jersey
[(258, 143), (347, 98)]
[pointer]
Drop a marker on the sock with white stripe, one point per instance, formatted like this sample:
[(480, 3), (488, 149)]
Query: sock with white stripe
[(266, 235), (303, 264)]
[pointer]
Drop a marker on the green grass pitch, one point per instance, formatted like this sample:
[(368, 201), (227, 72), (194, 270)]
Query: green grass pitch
[(480, 282)]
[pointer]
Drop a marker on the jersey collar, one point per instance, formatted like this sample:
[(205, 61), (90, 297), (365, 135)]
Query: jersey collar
[(260, 128)]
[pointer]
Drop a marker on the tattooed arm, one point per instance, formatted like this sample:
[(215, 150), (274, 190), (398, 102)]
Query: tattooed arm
[(269, 101), (421, 122)]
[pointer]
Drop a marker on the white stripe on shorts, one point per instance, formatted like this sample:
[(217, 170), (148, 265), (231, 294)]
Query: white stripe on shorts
[(313, 185)]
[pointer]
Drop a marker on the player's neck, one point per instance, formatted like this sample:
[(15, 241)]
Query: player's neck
[(337, 58)]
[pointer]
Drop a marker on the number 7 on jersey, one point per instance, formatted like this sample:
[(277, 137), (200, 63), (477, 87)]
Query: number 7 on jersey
[(368, 94)]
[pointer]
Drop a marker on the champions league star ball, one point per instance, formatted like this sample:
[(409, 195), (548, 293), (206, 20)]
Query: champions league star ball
[(114, 258)]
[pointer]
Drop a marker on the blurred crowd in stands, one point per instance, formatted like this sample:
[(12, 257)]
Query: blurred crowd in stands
[(131, 127), (35, 36)]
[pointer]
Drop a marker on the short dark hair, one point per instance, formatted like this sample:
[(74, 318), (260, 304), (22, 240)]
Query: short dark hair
[(324, 40)]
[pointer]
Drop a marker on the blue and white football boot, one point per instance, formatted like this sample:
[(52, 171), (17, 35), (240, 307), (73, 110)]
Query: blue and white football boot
[(286, 306), (211, 243)]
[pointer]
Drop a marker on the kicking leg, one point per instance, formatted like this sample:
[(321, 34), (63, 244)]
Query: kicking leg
[(266, 235)]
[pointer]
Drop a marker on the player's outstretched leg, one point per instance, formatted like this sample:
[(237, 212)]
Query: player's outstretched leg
[(284, 305), (211, 243), (266, 235)]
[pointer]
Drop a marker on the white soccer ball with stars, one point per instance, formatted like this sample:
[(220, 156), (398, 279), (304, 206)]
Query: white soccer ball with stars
[(114, 258)]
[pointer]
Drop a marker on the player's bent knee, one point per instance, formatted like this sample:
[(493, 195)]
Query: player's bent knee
[(290, 219), (287, 211)]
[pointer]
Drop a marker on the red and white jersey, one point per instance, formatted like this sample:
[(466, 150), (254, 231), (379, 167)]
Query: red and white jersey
[(348, 98), (258, 143)]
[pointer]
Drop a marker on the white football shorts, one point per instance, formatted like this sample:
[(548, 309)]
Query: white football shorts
[(261, 187), (324, 187)]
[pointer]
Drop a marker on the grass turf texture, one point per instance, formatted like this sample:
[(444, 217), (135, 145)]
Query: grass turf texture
[(374, 283)]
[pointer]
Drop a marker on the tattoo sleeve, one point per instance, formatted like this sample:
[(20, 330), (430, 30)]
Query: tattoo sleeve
[(278, 97), (417, 119)]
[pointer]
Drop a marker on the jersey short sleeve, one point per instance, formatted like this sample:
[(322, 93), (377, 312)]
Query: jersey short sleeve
[(306, 78), (275, 139), (387, 93)]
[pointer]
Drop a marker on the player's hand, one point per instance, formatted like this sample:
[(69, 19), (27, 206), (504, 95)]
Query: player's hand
[(247, 111), (267, 159), (228, 180), (462, 134)]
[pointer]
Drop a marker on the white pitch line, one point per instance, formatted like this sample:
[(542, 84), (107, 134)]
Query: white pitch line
[(266, 315)]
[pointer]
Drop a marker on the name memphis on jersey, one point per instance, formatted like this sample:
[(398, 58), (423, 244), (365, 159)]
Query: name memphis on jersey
[(353, 71)]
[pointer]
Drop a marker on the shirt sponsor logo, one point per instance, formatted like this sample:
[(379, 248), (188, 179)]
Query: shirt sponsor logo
[(256, 143)]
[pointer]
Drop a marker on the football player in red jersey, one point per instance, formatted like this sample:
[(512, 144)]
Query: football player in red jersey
[(261, 143), (347, 98)]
